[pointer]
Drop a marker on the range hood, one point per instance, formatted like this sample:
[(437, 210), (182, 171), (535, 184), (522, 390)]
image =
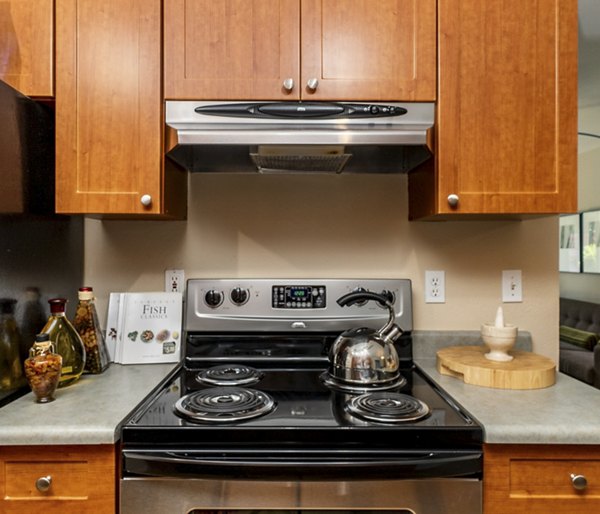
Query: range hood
[(26, 155), (300, 137)]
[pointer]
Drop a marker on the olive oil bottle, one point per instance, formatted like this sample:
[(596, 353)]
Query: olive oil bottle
[(67, 342)]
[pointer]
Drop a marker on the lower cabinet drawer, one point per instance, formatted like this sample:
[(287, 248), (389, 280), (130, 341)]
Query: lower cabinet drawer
[(47, 480), (74, 479), (535, 478), (541, 479)]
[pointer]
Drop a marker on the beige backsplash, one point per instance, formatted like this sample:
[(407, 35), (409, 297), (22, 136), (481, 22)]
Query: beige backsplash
[(335, 226)]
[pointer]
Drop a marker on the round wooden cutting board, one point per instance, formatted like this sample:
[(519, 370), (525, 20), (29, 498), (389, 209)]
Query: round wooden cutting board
[(526, 371)]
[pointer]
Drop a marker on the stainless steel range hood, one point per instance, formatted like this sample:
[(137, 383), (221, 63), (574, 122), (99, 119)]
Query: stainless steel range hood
[(301, 137)]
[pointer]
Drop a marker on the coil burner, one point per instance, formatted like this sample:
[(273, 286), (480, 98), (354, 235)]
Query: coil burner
[(387, 407), (356, 388), (229, 375), (224, 404)]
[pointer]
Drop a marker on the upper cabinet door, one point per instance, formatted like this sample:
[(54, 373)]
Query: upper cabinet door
[(231, 49), (109, 113), (506, 128), (26, 46), (366, 50)]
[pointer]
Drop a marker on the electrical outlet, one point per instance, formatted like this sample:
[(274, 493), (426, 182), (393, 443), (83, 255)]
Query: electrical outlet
[(435, 287), (512, 287), (174, 280)]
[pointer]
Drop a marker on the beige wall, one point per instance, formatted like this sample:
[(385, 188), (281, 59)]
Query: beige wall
[(335, 226)]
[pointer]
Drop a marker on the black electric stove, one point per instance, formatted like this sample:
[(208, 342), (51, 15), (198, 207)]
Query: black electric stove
[(252, 391)]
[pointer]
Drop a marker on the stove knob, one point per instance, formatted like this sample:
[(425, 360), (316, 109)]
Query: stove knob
[(239, 295), (360, 290), (213, 298), (389, 295)]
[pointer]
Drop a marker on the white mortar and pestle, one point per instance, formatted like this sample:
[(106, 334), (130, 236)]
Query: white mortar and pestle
[(499, 338)]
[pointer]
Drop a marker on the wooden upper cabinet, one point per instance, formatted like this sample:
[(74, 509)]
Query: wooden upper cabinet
[(365, 50), (231, 49), (26, 46), (109, 111), (506, 127), (270, 49)]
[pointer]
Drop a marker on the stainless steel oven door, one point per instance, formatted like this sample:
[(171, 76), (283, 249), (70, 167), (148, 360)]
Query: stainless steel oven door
[(159, 482)]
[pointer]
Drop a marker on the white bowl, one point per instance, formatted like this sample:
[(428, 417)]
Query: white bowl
[(499, 340)]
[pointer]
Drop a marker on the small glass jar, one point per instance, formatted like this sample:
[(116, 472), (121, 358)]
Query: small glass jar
[(87, 326), (67, 342), (42, 369)]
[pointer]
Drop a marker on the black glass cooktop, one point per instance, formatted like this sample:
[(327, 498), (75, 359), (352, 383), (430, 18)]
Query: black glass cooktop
[(305, 412)]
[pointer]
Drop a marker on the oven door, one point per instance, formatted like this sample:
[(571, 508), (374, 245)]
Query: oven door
[(199, 481)]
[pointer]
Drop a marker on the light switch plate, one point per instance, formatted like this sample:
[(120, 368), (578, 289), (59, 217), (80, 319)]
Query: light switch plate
[(512, 286)]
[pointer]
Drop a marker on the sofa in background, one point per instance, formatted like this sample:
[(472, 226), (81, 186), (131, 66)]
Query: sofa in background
[(579, 352)]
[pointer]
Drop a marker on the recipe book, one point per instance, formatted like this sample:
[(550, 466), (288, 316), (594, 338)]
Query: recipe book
[(148, 327)]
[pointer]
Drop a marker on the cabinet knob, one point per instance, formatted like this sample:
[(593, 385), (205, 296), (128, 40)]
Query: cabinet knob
[(452, 200), (43, 484), (146, 200), (312, 84), (288, 84), (579, 482)]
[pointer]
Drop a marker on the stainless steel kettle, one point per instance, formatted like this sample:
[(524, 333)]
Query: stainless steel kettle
[(363, 355)]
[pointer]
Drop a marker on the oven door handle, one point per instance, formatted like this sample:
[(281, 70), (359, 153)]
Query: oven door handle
[(274, 466)]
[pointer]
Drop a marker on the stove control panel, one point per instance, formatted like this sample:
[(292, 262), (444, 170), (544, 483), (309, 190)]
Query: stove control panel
[(251, 304), (299, 297)]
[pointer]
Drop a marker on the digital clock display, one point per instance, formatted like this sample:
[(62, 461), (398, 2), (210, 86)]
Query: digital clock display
[(299, 297)]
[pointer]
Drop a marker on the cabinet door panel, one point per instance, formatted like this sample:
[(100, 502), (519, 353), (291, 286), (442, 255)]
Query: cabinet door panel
[(507, 113), (231, 49), (364, 50), (108, 106), (26, 46)]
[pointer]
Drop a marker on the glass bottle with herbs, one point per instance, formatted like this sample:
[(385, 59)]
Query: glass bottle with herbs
[(86, 324), (11, 368), (42, 368), (67, 342)]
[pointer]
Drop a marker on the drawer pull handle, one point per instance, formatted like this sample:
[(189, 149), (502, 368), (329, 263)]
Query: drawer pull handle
[(579, 481), (43, 484)]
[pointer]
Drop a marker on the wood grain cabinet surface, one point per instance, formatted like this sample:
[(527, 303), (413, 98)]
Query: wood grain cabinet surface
[(109, 112), (58, 479), (26, 46), (541, 479), (273, 49), (506, 121)]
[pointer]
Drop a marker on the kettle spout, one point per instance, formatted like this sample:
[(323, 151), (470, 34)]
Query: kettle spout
[(391, 334)]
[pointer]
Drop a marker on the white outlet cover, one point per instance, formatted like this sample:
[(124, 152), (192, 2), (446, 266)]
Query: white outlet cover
[(435, 286), (174, 280)]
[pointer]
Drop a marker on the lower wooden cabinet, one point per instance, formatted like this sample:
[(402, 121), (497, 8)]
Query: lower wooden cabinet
[(58, 479), (541, 479)]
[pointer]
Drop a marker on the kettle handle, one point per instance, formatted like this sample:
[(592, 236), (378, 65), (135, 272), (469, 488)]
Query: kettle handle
[(359, 296)]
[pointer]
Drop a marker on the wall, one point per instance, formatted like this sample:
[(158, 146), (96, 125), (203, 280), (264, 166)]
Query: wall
[(586, 286), (335, 226)]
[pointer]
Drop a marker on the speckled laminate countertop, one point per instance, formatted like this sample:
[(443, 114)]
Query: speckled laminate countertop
[(87, 412), (565, 413), (90, 411)]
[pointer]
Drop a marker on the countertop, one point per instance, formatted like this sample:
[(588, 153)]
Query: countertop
[(91, 410), (86, 412)]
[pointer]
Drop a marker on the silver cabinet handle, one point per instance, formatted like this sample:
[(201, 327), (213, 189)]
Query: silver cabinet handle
[(579, 482), (42, 484), (452, 200), (312, 84), (288, 84), (146, 200)]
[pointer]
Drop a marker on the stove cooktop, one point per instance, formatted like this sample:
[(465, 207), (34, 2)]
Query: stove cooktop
[(305, 411)]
